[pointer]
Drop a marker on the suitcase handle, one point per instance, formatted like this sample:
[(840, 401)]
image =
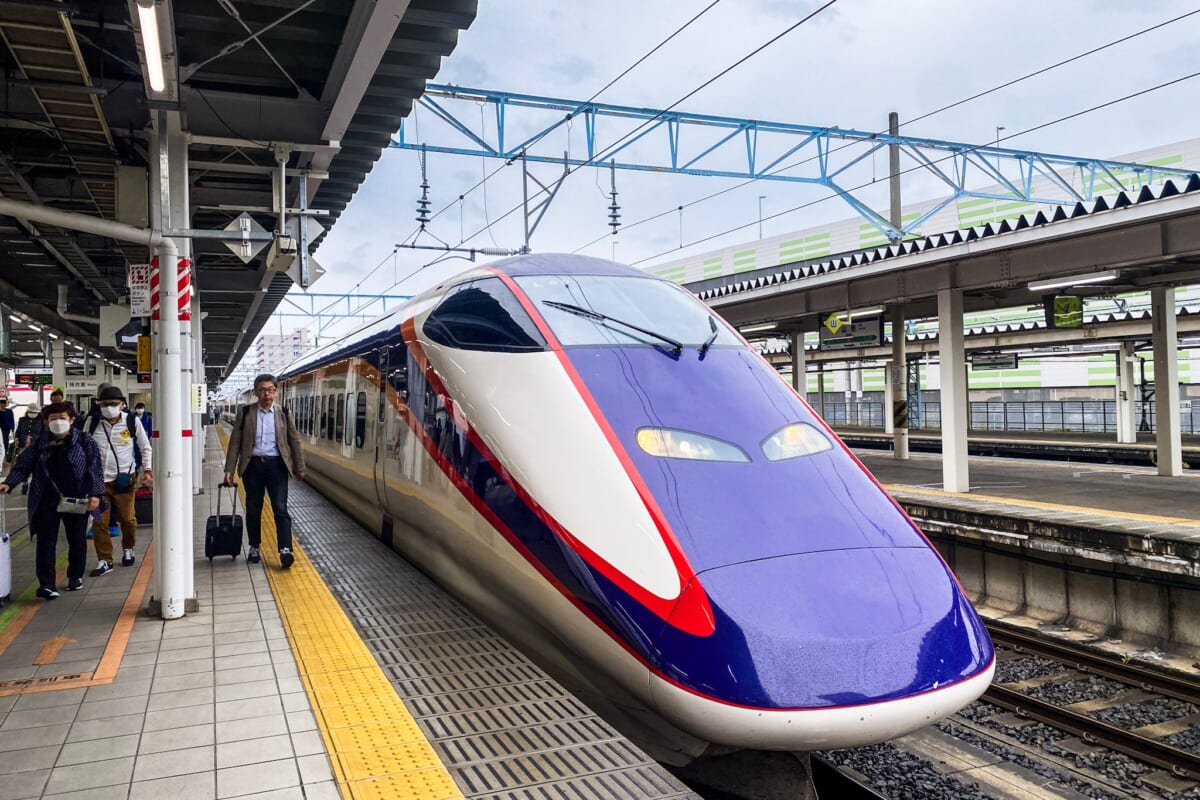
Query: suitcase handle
[(233, 491)]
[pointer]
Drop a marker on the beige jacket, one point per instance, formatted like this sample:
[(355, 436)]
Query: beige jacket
[(245, 428)]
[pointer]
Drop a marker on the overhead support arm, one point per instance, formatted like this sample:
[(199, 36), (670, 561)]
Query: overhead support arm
[(711, 146)]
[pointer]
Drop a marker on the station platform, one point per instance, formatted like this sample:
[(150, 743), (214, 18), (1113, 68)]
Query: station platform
[(1102, 555), (350, 675), (1128, 512), (1056, 445)]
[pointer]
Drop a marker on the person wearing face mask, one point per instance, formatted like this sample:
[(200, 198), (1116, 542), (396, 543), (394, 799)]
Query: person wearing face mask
[(7, 423), (124, 453), (69, 486), (144, 417), (29, 428)]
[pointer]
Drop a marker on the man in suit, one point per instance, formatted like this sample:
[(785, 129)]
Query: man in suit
[(264, 448)]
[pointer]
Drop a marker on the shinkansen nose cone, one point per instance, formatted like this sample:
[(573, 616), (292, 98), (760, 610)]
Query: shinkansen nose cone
[(831, 629)]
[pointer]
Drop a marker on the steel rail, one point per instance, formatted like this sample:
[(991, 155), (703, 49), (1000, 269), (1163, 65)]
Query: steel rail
[(1181, 762), (1091, 661)]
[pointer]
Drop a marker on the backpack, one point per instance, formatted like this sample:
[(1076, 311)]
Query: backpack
[(130, 420)]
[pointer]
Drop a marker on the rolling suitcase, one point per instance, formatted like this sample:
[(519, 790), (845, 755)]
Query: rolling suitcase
[(223, 533), (143, 506), (5, 555)]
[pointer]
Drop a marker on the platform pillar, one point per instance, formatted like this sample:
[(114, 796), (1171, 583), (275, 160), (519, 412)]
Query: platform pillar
[(1166, 382), (198, 375), (1126, 417), (889, 400), (821, 389), (58, 362), (897, 382), (952, 355), (799, 383), (181, 217)]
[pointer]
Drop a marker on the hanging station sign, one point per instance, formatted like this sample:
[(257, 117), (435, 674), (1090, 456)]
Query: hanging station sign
[(992, 361), (838, 334)]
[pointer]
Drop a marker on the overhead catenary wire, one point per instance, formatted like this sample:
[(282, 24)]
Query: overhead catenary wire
[(595, 94), (927, 115), (599, 156), (461, 197), (1038, 127)]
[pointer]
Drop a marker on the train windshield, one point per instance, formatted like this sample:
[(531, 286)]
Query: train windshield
[(622, 305)]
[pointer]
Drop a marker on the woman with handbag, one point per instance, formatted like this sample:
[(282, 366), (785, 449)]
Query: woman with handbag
[(69, 487)]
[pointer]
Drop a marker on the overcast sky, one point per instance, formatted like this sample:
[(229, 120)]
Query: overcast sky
[(847, 67)]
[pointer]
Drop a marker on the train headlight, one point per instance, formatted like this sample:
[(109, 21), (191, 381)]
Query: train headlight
[(795, 440), (672, 443)]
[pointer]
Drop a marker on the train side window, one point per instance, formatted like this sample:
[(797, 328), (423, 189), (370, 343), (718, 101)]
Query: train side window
[(349, 430), (483, 315), (339, 430), (360, 420), (324, 421)]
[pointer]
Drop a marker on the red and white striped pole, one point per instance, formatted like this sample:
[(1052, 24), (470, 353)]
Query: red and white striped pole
[(184, 287)]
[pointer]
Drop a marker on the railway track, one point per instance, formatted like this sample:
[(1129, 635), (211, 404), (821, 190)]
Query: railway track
[(1143, 685)]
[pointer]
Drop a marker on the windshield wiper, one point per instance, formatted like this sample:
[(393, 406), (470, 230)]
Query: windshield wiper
[(712, 337), (596, 315)]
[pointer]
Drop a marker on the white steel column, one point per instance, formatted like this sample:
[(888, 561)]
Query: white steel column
[(1166, 382), (172, 488), (821, 389), (199, 432), (889, 402), (952, 355), (181, 217), (1126, 417), (799, 383), (897, 406), (58, 362)]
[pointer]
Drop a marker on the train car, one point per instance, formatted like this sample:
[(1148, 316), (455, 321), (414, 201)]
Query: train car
[(604, 470)]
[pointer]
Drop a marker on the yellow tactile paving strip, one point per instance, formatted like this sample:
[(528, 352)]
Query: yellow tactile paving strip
[(377, 750)]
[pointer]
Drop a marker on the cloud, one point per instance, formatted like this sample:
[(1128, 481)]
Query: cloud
[(572, 69)]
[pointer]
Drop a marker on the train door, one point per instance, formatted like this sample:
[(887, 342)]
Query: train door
[(380, 428), (395, 435)]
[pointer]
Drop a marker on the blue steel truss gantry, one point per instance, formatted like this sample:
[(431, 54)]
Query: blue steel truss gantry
[(1021, 174), (360, 307)]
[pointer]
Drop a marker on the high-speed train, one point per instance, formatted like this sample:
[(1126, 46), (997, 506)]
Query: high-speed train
[(594, 462)]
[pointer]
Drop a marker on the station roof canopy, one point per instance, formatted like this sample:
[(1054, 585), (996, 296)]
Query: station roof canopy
[(332, 77)]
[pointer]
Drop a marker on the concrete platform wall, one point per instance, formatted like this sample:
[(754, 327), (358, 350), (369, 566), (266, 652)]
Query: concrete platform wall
[(1105, 599)]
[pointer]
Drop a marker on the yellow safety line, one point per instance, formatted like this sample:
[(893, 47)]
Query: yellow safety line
[(1011, 501), (375, 745)]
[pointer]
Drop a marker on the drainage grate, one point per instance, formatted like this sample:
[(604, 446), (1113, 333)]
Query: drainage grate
[(502, 727)]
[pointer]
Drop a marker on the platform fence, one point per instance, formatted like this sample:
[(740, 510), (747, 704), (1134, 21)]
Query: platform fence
[(1040, 416)]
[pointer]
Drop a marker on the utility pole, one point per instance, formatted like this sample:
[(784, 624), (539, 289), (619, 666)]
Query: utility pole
[(761, 197)]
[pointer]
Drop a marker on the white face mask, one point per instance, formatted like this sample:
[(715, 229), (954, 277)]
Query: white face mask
[(31, 414), (140, 411), (59, 426), (110, 412)]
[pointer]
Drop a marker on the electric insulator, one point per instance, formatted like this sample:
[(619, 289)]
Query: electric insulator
[(614, 210), (424, 203)]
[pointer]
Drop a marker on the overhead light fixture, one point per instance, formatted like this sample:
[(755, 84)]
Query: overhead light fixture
[(1078, 280), (35, 327), (865, 312), (148, 23), (766, 326)]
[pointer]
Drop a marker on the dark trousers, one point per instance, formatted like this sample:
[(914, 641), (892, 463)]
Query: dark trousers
[(271, 475), (43, 524)]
